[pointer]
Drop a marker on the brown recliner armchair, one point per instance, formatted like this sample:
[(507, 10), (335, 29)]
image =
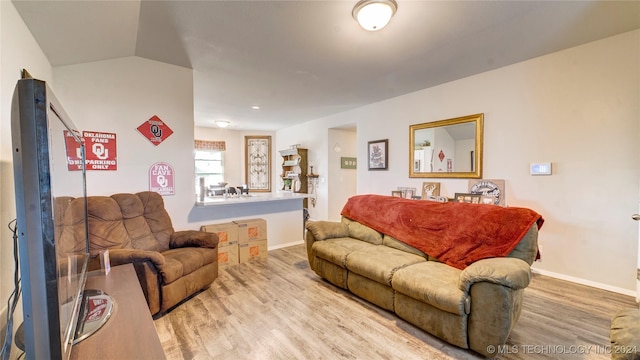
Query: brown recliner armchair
[(136, 228)]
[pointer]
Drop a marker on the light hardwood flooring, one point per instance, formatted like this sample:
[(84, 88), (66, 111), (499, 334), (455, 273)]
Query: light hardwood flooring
[(278, 308)]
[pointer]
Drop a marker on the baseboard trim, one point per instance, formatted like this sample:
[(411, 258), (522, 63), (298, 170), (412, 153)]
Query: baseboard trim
[(580, 281), (280, 246)]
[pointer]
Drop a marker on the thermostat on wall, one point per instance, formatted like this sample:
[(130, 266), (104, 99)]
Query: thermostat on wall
[(540, 169)]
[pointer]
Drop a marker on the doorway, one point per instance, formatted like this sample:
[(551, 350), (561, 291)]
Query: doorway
[(342, 163)]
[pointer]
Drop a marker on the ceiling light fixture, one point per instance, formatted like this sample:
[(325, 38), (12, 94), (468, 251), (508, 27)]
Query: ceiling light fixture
[(374, 14), (222, 124)]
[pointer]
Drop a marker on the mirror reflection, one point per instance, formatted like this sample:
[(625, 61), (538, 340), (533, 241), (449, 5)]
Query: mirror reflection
[(449, 148)]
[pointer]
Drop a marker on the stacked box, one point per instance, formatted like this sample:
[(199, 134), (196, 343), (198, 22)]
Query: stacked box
[(253, 250), (252, 239), (228, 255), (251, 230), (227, 242)]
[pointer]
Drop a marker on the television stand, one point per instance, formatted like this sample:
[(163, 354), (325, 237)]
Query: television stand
[(130, 332), (95, 310)]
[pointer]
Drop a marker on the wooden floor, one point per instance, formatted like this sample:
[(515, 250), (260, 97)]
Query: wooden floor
[(278, 308)]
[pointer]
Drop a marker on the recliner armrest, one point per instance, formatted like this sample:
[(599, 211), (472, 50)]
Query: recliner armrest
[(510, 272), (322, 230), (126, 256), (193, 238)]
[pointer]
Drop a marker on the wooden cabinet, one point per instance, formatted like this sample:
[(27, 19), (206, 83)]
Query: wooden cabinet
[(294, 170)]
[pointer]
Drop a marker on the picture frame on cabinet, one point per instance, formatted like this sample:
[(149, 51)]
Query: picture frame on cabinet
[(468, 198), (430, 189)]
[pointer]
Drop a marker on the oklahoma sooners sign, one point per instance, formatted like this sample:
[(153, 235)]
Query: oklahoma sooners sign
[(155, 130), (161, 179), (101, 151)]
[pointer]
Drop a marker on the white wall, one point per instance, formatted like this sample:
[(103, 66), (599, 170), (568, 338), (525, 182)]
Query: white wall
[(578, 108), (119, 95), (18, 50)]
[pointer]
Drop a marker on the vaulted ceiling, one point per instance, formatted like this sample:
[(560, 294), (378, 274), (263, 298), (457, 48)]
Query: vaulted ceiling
[(302, 60)]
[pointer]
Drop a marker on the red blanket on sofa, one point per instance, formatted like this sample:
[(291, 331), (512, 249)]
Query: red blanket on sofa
[(457, 234)]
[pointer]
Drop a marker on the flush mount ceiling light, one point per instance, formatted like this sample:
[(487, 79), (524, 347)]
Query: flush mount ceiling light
[(374, 14), (222, 124)]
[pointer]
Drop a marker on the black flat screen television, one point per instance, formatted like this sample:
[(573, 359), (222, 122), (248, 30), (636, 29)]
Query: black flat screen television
[(53, 274)]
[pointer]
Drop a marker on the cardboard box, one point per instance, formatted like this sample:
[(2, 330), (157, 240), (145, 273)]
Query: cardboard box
[(253, 250), (228, 255), (227, 233), (251, 230)]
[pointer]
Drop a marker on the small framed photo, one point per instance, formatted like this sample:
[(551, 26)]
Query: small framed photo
[(407, 192), (430, 189), (378, 153), (396, 193), (348, 163), (487, 199), (468, 198)]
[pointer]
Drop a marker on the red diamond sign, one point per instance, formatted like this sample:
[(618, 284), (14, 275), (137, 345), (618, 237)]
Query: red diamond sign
[(155, 130)]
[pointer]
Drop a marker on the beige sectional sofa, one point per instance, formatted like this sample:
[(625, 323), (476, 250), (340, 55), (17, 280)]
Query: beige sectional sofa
[(473, 308)]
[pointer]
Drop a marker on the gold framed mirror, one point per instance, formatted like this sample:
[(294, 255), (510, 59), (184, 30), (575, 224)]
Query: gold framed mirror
[(450, 148)]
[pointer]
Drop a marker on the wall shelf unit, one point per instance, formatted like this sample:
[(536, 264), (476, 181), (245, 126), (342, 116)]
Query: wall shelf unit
[(294, 170)]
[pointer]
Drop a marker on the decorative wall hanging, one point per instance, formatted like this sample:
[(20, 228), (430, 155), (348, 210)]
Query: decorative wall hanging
[(258, 162), (378, 153), (74, 150), (161, 179), (101, 151), (155, 130), (493, 188)]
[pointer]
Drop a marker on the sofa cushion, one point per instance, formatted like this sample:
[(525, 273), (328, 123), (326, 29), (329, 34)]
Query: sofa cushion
[(362, 232), (433, 283), (106, 229), (527, 248), (336, 250), (379, 263), (183, 261)]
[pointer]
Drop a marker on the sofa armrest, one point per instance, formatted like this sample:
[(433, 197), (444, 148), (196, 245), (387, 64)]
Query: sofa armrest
[(126, 256), (193, 238), (323, 230), (495, 287), (510, 272)]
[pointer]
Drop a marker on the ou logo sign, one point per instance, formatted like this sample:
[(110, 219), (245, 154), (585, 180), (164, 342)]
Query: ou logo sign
[(161, 179), (155, 130), (100, 151)]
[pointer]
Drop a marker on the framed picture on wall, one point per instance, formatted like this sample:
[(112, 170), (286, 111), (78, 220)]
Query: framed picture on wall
[(378, 153), (258, 163)]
